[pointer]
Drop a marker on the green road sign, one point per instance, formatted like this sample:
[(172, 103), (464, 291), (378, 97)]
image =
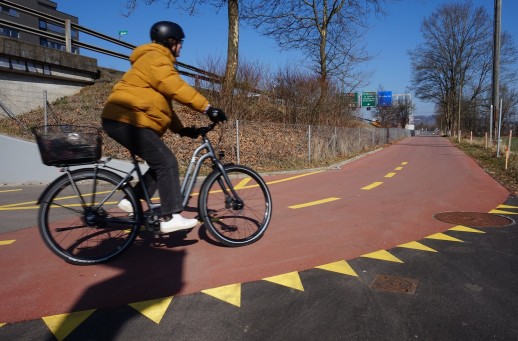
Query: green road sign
[(352, 99), (369, 99), (123, 33)]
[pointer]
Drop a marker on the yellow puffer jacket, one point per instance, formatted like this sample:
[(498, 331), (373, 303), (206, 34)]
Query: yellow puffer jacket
[(143, 96)]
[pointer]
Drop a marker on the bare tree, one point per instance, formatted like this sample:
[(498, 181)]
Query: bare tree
[(328, 31), (233, 35), (453, 65)]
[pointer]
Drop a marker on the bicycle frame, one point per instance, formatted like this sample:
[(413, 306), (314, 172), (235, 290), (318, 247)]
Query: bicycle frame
[(194, 168)]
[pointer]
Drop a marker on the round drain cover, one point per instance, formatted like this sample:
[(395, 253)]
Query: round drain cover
[(473, 219)]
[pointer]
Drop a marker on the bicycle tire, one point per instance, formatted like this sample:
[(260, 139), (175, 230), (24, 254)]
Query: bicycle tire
[(79, 230), (230, 225)]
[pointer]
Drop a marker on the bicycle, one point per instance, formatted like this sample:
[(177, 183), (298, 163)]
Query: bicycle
[(78, 217)]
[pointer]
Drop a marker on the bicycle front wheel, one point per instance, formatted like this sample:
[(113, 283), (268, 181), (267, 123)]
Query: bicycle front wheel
[(79, 219), (231, 220)]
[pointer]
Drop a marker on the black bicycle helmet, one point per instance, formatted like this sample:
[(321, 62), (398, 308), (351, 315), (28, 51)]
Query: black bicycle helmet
[(162, 31)]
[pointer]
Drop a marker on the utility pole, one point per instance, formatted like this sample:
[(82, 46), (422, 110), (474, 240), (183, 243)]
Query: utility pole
[(496, 62)]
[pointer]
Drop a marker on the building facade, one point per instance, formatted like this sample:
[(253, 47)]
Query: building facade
[(29, 20)]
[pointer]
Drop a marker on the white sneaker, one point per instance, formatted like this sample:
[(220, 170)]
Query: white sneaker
[(125, 205), (177, 223)]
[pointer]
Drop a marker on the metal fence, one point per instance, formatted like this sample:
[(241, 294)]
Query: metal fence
[(265, 146)]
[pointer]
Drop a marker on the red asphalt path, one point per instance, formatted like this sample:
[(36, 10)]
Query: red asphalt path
[(420, 176)]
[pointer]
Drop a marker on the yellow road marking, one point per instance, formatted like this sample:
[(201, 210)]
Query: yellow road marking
[(506, 206), (290, 280), (341, 267), (398, 168), (417, 246), (63, 324), (293, 177), (465, 229), (312, 203), (242, 183), (442, 236), (153, 309), (389, 175), (372, 185), (7, 242), (228, 293), (382, 255), (404, 163), (502, 212), (11, 190)]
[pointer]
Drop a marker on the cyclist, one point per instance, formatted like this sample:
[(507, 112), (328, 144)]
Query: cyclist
[(139, 111)]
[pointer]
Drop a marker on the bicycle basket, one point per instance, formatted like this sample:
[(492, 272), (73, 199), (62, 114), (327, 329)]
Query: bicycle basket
[(68, 145)]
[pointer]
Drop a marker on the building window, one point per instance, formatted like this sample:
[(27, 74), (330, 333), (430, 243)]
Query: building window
[(46, 26), (55, 45), (9, 11), (9, 32)]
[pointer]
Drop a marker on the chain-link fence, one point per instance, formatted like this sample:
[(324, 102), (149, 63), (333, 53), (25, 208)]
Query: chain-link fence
[(264, 146)]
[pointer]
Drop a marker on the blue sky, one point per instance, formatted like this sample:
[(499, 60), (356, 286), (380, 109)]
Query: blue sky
[(389, 39)]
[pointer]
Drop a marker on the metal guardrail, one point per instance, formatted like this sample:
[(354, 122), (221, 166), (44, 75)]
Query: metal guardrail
[(70, 42)]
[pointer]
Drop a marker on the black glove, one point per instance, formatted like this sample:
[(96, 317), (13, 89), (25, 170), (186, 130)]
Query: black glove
[(191, 132), (216, 115)]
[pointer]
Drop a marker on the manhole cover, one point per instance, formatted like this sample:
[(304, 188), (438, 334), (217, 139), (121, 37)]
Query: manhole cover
[(394, 284), (473, 219)]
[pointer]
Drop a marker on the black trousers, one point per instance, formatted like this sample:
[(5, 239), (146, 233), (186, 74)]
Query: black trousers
[(163, 171)]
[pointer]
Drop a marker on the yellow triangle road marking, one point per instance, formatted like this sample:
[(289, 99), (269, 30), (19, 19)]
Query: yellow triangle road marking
[(502, 212), (290, 280), (228, 293), (7, 242), (341, 267), (417, 246), (153, 309), (63, 324), (461, 228), (506, 206), (382, 255), (442, 236)]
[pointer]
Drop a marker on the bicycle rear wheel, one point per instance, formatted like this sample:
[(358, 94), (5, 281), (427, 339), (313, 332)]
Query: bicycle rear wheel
[(79, 219), (230, 220)]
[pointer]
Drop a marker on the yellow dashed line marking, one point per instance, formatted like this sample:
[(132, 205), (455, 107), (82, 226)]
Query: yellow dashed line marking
[(461, 228), (290, 280), (293, 177), (382, 255), (11, 190), (242, 183), (63, 324), (404, 163), (417, 246), (372, 185), (442, 236), (313, 203), (389, 175), (7, 242), (398, 168), (153, 309), (228, 293), (341, 267)]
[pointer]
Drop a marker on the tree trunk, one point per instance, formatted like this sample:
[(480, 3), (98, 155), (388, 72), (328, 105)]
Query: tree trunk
[(232, 54)]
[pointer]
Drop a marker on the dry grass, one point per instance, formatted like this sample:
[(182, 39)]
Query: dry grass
[(495, 166)]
